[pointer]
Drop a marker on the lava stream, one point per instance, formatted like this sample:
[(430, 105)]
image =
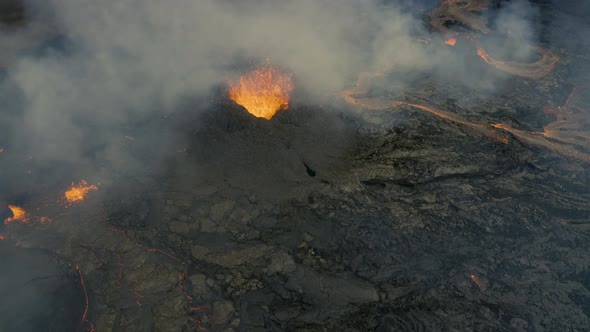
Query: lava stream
[(534, 70), (566, 135), (566, 129), (469, 14), (475, 280), (86, 301), (362, 86)]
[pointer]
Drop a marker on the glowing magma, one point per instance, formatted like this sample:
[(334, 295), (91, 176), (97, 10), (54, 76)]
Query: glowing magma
[(535, 70), (263, 91), (78, 192), (18, 214), (451, 41)]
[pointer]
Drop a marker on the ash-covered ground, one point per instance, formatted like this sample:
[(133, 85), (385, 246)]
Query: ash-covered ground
[(372, 215)]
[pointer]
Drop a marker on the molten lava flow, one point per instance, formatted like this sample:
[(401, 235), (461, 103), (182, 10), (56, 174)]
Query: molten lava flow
[(163, 253), (182, 277), (475, 280), (263, 91), (451, 41), (362, 87), (567, 135), (86, 301), (484, 55), (567, 131), (533, 70), (78, 192), (138, 295), (465, 17), (18, 214)]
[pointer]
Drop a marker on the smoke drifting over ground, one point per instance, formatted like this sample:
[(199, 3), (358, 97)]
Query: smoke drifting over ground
[(82, 80), (123, 59)]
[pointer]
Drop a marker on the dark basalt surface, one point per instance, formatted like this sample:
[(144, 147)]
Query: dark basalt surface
[(322, 219)]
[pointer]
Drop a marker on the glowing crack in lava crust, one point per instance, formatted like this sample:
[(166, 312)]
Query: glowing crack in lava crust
[(451, 41), (263, 91), (18, 214), (78, 192)]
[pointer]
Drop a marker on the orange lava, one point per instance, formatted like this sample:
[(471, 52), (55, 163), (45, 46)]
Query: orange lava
[(475, 281), (263, 91), (567, 135), (534, 70), (78, 192), (18, 214), (163, 253), (86, 301), (472, 24), (2, 237), (350, 96), (543, 139), (451, 41), (182, 276), (561, 135), (484, 55), (138, 295)]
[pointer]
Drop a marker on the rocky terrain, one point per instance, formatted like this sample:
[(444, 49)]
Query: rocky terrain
[(327, 218)]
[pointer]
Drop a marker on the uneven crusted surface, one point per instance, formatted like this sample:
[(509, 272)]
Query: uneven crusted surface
[(387, 219), (431, 226)]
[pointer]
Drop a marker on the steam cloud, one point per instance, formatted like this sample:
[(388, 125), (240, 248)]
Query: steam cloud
[(121, 60), (125, 58)]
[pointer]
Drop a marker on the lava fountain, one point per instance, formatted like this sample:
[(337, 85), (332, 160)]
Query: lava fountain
[(78, 192), (263, 91), (18, 214)]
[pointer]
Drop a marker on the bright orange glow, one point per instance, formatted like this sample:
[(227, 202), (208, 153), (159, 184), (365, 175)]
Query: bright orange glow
[(86, 301), (484, 55), (362, 87), (18, 214), (533, 70), (263, 91), (451, 41), (567, 135), (469, 14), (138, 295), (475, 281), (78, 192)]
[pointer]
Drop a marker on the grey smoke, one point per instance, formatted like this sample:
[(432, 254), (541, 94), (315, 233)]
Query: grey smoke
[(128, 56), (125, 59)]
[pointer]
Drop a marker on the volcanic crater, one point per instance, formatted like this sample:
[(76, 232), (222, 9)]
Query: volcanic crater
[(423, 205)]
